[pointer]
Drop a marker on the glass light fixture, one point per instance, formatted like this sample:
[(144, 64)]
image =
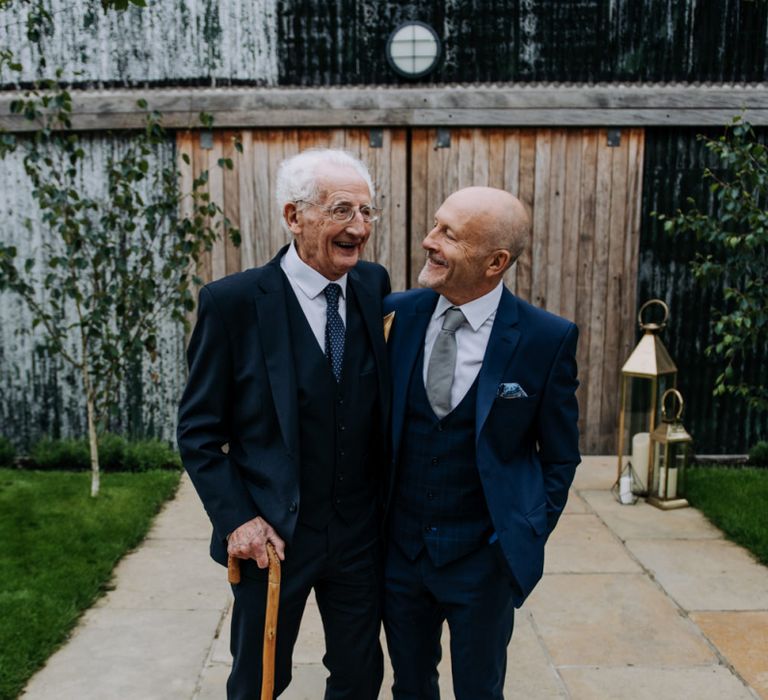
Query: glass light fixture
[(413, 49)]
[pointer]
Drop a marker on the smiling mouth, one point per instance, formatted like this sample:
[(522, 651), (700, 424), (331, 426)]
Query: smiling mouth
[(436, 261), (346, 245)]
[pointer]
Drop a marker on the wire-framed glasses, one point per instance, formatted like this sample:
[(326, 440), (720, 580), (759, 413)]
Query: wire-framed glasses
[(344, 212)]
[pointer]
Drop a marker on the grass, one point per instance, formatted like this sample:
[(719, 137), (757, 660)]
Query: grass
[(58, 547), (736, 500)]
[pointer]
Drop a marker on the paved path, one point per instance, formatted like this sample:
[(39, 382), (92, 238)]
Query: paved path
[(635, 604)]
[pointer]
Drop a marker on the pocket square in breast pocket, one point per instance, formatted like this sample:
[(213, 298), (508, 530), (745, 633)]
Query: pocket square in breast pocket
[(510, 390)]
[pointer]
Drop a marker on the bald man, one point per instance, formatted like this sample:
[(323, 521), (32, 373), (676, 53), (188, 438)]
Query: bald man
[(485, 446)]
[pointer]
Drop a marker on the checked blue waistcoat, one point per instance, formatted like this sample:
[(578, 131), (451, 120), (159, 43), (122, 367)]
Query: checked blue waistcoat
[(439, 502)]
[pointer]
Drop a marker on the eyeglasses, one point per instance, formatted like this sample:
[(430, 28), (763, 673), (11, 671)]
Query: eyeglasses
[(344, 212)]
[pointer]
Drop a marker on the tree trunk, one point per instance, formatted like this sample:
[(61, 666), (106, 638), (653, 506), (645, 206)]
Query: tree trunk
[(92, 441)]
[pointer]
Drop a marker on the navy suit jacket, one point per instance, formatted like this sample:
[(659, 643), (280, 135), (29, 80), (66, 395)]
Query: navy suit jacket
[(527, 449), (241, 392)]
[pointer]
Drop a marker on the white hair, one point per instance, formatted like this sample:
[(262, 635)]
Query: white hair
[(297, 175)]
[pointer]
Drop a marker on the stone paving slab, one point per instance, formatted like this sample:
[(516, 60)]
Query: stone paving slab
[(147, 581), (613, 620), (183, 518), (643, 521), (128, 654), (581, 543), (703, 683), (705, 574), (587, 632), (575, 504), (595, 473), (742, 638)]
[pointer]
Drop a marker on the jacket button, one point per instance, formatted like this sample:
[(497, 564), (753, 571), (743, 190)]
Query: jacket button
[(430, 495), (341, 477), (434, 460), (293, 507)]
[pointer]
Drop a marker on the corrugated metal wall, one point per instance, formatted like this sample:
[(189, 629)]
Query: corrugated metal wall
[(343, 41), (170, 42), (334, 42), (40, 396), (674, 161)]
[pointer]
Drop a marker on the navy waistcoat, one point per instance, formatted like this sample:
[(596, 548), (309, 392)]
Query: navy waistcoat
[(338, 422), (439, 501)]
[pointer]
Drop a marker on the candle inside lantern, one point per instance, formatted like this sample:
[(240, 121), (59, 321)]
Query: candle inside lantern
[(640, 447), (671, 483), (625, 489)]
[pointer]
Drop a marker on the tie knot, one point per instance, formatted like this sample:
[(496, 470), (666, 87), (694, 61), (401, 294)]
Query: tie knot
[(332, 293), (453, 318)]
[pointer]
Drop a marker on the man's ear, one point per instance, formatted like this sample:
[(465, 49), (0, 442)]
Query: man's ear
[(290, 214), (499, 261)]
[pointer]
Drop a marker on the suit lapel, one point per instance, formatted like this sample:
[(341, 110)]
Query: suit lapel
[(370, 309), (411, 327), (276, 345), (501, 346)]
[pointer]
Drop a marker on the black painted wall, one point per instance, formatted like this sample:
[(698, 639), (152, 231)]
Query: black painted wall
[(340, 42), (674, 160)]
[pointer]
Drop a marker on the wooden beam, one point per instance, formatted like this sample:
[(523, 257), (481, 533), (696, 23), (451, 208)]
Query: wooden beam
[(503, 105)]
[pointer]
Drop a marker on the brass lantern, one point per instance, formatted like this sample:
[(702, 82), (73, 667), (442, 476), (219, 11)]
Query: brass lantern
[(647, 373), (671, 447)]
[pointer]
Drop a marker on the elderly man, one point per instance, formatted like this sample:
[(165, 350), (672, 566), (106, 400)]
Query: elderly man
[(282, 421), (485, 446)]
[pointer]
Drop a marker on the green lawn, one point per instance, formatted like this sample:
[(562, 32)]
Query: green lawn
[(736, 500), (57, 549)]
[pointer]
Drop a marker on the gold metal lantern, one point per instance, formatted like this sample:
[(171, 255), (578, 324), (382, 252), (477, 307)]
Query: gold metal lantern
[(671, 448), (648, 372)]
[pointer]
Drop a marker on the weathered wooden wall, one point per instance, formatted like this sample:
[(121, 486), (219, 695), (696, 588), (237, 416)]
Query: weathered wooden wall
[(674, 163), (584, 196), (247, 191), (338, 42), (42, 396), (581, 261)]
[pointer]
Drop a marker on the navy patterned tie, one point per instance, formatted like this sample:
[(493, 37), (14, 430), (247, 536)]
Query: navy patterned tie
[(334, 330)]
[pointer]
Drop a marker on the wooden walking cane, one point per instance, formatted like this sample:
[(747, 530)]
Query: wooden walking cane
[(270, 618)]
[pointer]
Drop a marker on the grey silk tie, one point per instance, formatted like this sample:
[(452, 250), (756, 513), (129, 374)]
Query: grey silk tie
[(442, 363)]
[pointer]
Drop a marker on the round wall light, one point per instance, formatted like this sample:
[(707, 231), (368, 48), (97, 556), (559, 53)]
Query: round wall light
[(413, 49)]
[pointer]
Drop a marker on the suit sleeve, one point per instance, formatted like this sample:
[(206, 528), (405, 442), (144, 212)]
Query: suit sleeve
[(558, 434), (204, 422)]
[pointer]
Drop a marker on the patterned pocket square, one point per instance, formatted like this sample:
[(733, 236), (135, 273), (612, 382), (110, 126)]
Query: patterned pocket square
[(510, 390)]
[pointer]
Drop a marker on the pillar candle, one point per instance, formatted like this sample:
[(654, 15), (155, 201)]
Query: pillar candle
[(671, 483)]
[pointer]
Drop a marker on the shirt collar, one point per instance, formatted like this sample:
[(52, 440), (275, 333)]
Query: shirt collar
[(309, 280), (477, 311)]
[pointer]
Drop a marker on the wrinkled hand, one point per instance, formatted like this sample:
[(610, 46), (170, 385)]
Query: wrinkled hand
[(249, 541)]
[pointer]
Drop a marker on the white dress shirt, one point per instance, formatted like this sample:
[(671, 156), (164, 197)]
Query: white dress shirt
[(471, 339), (308, 286)]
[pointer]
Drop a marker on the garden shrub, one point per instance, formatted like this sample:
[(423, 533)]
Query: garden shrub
[(150, 454), (66, 453), (7, 452), (758, 455), (115, 454)]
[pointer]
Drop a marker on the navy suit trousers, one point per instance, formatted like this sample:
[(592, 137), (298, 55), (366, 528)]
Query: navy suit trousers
[(345, 572), (475, 596)]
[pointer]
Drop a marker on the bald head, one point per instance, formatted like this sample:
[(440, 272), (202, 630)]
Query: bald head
[(501, 217), (478, 233)]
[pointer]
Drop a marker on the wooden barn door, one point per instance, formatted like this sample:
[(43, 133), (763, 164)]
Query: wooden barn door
[(246, 193), (584, 195), (581, 261)]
